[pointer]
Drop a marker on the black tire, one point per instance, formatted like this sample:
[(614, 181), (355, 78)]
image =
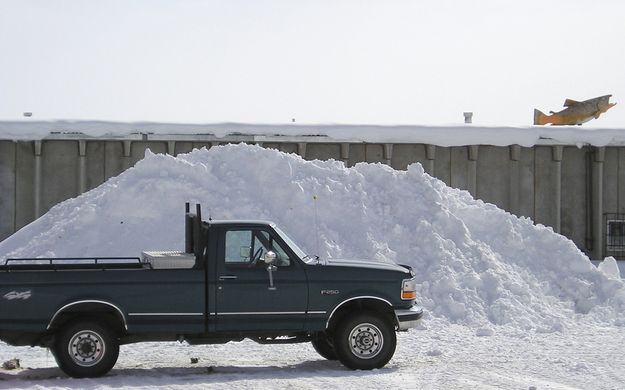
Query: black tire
[(324, 346), (86, 349), (365, 341)]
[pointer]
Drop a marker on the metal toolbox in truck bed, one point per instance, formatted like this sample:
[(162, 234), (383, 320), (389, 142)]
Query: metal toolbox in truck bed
[(168, 259)]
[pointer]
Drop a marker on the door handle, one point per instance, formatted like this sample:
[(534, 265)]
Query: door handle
[(227, 277)]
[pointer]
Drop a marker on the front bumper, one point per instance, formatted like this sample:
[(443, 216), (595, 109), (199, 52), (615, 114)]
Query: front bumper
[(408, 318)]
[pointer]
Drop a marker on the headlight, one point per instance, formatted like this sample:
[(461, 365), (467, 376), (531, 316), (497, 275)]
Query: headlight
[(408, 289)]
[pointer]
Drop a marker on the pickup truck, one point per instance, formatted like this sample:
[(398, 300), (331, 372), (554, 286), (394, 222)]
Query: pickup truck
[(235, 280)]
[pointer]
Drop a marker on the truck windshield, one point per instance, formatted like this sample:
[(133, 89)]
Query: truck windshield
[(300, 253)]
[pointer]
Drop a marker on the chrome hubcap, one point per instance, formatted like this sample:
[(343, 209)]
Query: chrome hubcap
[(86, 348), (366, 341)]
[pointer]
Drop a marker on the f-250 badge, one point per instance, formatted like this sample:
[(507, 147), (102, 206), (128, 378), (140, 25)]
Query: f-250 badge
[(18, 295), (329, 292)]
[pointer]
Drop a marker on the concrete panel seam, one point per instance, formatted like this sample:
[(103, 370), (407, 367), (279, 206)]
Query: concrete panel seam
[(15, 186), (430, 152), (515, 152), (473, 152), (388, 152), (345, 151), (600, 154), (82, 148), (556, 152), (38, 146), (618, 175), (534, 191), (127, 148), (37, 178), (301, 149)]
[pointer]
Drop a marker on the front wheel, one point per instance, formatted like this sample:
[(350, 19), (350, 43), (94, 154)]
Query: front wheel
[(86, 349), (365, 341)]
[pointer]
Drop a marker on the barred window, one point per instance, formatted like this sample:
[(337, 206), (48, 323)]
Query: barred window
[(615, 235)]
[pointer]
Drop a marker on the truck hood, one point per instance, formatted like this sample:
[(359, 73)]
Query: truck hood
[(365, 264)]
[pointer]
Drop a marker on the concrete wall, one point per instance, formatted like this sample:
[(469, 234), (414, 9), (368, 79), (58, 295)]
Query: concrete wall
[(564, 187), (7, 187)]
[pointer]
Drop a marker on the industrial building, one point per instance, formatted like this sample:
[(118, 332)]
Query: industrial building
[(571, 180)]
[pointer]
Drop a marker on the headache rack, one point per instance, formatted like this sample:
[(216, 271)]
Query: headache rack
[(70, 263)]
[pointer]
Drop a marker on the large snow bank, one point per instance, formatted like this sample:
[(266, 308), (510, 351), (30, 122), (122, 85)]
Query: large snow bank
[(476, 264)]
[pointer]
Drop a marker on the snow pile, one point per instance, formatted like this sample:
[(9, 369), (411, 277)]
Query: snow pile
[(610, 267), (475, 263)]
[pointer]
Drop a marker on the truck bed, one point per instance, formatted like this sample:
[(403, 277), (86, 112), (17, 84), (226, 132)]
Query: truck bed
[(153, 300)]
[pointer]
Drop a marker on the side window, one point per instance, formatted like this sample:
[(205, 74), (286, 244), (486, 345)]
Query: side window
[(238, 246), (247, 247), (282, 259)]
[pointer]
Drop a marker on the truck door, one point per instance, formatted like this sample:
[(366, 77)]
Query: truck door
[(244, 299)]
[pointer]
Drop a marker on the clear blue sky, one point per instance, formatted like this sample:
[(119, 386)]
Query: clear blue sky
[(379, 62)]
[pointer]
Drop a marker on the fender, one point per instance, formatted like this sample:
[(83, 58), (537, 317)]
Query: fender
[(352, 299), (123, 317)]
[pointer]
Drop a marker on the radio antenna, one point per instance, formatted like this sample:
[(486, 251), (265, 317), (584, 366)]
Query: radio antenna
[(316, 224)]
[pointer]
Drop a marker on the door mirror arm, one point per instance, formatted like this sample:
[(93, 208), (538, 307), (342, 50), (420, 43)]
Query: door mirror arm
[(270, 259), (271, 269)]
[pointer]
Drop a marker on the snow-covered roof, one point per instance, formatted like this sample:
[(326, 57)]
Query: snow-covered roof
[(452, 135)]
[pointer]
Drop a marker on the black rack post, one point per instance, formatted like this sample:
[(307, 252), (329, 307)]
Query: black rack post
[(188, 229)]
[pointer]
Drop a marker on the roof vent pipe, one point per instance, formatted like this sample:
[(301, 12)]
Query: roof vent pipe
[(468, 117)]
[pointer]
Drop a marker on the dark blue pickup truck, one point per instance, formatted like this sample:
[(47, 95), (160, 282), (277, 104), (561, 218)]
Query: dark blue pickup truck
[(235, 280)]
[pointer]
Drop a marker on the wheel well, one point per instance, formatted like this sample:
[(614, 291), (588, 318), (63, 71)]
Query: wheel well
[(359, 305), (104, 313)]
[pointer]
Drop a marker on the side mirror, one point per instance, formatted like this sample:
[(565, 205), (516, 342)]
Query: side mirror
[(270, 258)]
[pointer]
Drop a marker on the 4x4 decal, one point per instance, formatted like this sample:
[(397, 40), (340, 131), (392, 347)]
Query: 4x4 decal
[(18, 295)]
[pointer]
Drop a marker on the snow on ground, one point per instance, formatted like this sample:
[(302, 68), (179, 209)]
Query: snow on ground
[(509, 304), (439, 357)]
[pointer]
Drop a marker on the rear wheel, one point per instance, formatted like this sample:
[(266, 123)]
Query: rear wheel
[(324, 346), (365, 341), (86, 349)]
